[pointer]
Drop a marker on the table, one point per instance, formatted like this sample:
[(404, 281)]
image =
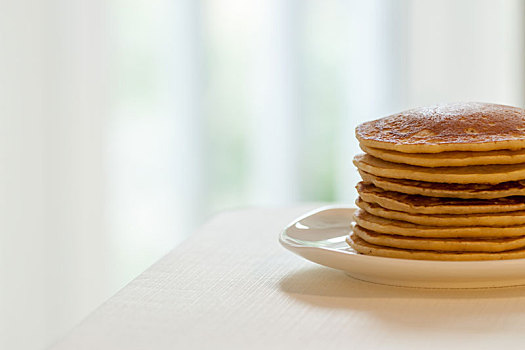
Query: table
[(232, 286)]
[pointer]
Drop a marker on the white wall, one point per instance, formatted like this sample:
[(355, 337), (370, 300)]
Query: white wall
[(467, 50), (53, 237)]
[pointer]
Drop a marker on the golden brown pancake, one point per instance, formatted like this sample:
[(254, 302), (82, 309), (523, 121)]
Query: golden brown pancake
[(449, 159), (437, 205), (363, 247), (490, 174), (447, 127), (441, 244), (403, 228), (486, 219), (437, 189), (445, 182)]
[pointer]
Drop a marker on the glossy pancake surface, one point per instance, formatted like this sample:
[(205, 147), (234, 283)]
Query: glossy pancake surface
[(470, 126), (490, 174), (437, 205), (436, 189), (449, 159)]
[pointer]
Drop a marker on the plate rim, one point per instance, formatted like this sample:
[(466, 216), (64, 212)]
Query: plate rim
[(287, 243)]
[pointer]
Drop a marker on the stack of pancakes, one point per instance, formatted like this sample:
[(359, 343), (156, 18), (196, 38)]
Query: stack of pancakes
[(442, 183)]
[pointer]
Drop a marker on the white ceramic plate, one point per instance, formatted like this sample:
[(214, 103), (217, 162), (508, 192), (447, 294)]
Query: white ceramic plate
[(319, 236)]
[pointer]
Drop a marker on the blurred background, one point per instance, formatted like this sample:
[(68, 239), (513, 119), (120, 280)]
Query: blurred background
[(124, 125)]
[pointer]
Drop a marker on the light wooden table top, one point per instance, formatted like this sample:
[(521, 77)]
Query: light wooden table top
[(232, 286)]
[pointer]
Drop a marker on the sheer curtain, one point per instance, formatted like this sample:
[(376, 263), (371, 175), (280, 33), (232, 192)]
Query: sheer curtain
[(53, 235), (125, 124)]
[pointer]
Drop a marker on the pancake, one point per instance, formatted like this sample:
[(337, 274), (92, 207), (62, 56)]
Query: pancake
[(487, 219), (448, 127), (403, 228), (437, 205), (441, 244), (449, 159), (436, 189), (490, 174), (363, 247)]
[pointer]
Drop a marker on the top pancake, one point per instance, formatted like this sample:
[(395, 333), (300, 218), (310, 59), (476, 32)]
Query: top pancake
[(448, 127)]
